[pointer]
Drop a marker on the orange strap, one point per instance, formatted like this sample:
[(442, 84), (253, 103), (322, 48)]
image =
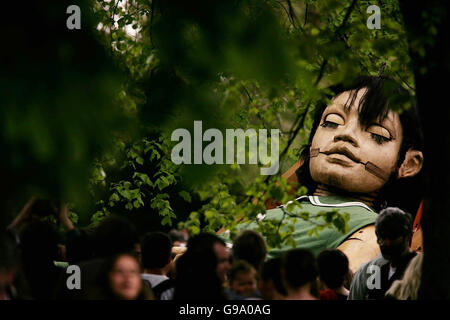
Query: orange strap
[(416, 224)]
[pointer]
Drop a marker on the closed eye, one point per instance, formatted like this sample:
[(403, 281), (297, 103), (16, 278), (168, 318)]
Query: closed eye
[(379, 139), (329, 124), (332, 120), (379, 134)]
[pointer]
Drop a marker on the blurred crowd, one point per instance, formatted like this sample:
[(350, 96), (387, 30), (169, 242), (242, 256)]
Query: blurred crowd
[(114, 262)]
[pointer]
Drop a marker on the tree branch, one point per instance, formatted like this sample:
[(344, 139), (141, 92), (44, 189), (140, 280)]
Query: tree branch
[(290, 14), (347, 16)]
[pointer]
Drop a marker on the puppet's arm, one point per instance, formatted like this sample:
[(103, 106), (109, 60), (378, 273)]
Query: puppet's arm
[(360, 247)]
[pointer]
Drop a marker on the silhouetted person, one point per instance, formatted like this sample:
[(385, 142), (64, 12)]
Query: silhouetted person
[(250, 246), (300, 273), (156, 259), (393, 228), (333, 271), (271, 282), (39, 244), (201, 270)]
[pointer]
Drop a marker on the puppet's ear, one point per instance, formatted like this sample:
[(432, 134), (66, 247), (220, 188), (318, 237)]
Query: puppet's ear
[(412, 164)]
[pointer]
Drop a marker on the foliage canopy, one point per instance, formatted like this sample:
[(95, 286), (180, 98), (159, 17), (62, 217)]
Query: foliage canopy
[(259, 64)]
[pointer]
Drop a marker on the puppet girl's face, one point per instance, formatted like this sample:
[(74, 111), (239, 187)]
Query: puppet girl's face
[(346, 142)]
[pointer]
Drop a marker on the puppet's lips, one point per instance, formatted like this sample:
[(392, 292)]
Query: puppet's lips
[(345, 152), (340, 159)]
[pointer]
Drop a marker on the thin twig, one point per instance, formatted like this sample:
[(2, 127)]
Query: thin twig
[(338, 32), (112, 25), (248, 94), (321, 71), (404, 81), (291, 11), (297, 130), (287, 13), (301, 121), (374, 56), (151, 23), (290, 14), (347, 15), (306, 15)]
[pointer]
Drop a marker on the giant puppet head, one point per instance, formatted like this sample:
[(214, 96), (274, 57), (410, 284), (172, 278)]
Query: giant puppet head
[(359, 144)]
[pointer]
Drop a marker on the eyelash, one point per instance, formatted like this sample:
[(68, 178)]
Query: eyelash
[(379, 139), (328, 124)]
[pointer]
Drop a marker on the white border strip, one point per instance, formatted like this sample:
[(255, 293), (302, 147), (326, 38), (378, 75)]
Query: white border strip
[(315, 201)]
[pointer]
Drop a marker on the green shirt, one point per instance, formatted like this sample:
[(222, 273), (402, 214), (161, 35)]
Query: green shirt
[(361, 215)]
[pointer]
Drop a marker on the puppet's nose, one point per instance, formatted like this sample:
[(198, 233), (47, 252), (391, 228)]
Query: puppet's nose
[(347, 133), (344, 136)]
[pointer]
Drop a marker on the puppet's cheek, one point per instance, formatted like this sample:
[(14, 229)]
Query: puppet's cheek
[(350, 179)]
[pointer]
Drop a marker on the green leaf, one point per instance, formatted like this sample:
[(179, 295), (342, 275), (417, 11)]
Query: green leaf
[(195, 230), (166, 220), (129, 206), (114, 197), (185, 195), (140, 160), (137, 204)]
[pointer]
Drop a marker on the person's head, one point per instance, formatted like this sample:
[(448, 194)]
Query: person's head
[(333, 268), (44, 207), (299, 269), (242, 278), (124, 277), (250, 246), (114, 235), (178, 237), (156, 249), (361, 125), (271, 282), (210, 242), (202, 269), (393, 228)]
